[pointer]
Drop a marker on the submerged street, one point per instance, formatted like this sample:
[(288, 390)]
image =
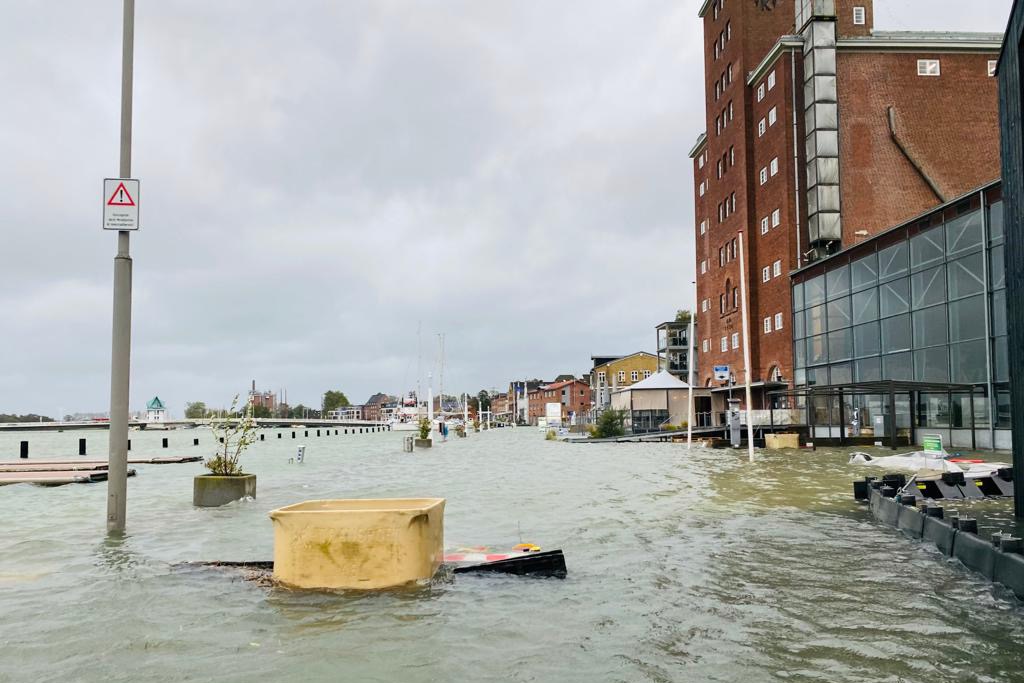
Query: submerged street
[(682, 566)]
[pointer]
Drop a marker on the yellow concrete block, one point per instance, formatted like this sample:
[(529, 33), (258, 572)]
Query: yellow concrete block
[(358, 543), (782, 440)]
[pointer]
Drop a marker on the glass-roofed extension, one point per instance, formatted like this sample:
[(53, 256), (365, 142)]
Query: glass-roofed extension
[(923, 302)]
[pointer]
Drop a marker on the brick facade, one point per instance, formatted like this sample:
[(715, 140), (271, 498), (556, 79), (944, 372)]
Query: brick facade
[(948, 124)]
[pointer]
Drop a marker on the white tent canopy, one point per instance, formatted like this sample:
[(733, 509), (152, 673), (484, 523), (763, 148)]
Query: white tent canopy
[(659, 380)]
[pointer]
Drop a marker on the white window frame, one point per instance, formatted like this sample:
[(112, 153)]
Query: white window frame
[(773, 115), (764, 225), (701, 192), (992, 64), (760, 92), (777, 268), (771, 80), (761, 128), (725, 343), (732, 202), (703, 266), (774, 166), (929, 67), (766, 274), (705, 345), (776, 218), (634, 376), (768, 325), (622, 375), (647, 373), (860, 16), (764, 175), (700, 161), (704, 306), (703, 226), (735, 340), (778, 321)]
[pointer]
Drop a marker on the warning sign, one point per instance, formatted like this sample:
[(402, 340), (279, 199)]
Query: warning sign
[(120, 204)]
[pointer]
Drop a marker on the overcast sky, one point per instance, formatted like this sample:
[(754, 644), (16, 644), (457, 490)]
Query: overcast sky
[(320, 177)]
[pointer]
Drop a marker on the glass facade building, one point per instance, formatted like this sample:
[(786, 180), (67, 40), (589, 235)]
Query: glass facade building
[(922, 302)]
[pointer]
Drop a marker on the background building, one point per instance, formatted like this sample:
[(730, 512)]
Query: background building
[(572, 394), (616, 372), (673, 348), (820, 133)]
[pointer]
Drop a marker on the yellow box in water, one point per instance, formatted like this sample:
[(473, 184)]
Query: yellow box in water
[(782, 441), (358, 543)]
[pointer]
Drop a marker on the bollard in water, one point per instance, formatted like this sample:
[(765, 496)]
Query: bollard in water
[(318, 432), (1010, 544), (968, 525), (279, 435), (293, 435), (163, 442), (934, 511), (195, 442), (887, 492), (129, 444), (908, 499), (335, 432), (81, 446), (24, 449), (263, 437), (408, 444), (305, 433)]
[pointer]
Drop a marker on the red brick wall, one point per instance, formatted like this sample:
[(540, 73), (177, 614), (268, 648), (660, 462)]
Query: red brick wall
[(949, 122)]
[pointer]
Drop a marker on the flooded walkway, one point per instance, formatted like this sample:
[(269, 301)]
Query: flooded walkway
[(690, 566)]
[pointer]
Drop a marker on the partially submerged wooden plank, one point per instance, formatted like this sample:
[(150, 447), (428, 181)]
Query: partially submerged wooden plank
[(62, 463), (55, 477)]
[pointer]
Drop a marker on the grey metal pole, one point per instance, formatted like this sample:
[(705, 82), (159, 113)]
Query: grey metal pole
[(746, 349), (120, 357)]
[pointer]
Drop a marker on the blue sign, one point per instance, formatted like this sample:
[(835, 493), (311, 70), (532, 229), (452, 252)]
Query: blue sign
[(721, 373)]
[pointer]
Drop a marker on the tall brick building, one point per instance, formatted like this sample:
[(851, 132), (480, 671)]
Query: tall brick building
[(821, 132)]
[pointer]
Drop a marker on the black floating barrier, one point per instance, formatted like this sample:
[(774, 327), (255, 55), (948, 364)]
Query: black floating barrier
[(164, 442), (81, 446), (24, 449)]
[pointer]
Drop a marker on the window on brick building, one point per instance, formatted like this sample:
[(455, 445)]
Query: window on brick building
[(634, 376), (601, 377), (764, 175), (771, 80), (728, 30), (735, 297), (766, 274), (773, 115), (721, 213), (764, 225), (992, 67), (776, 219), (647, 373), (732, 156), (705, 345), (718, 90), (728, 74), (859, 16), (761, 128), (730, 110), (721, 256), (732, 244), (778, 321), (725, 343), (760, 92), (777, 268), (732, 202), (703, 266), (718, 125), (719, 168), (721, 303), (928, 67), (622, 375), (774, 166), (703, 227), (767, 325), (735, 340), (704, 306), (700, 161)]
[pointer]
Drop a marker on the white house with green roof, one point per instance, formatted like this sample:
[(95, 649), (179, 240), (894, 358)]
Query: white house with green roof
[(155, 410)]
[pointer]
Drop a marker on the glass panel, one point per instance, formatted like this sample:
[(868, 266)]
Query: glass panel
[(869, 370), (899, 366), (838, 282), (799, 328), (1003, 409), (999, 313), (817, 352), (840, 345), (966, 276), (800, 377), (931, 327), (814, 291), (929, 287), (839, 313), (798, 296), (932, 365), (800, 354), (967, 319), (865, 340), (894, 297), (896, 333), (995, 221), (841, 374), (892, 261), (963, 233), (926, 248), (1001, 360), (968, 362), (864, 272), (817, 375), (932, 410), (997, 264), (961, 410), (815, 320), (865, 306)]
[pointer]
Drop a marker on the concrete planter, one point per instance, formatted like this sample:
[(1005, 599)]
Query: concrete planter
[(363, 544), (213, 490), (462, 435), (423, 443)]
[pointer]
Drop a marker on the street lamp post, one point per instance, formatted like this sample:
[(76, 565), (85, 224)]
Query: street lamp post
[(120, 361)]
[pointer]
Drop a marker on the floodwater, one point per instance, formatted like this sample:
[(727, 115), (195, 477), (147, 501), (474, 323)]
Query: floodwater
[(683, 566)]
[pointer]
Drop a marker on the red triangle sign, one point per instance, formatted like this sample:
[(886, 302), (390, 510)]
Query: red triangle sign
[(121, 197)]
